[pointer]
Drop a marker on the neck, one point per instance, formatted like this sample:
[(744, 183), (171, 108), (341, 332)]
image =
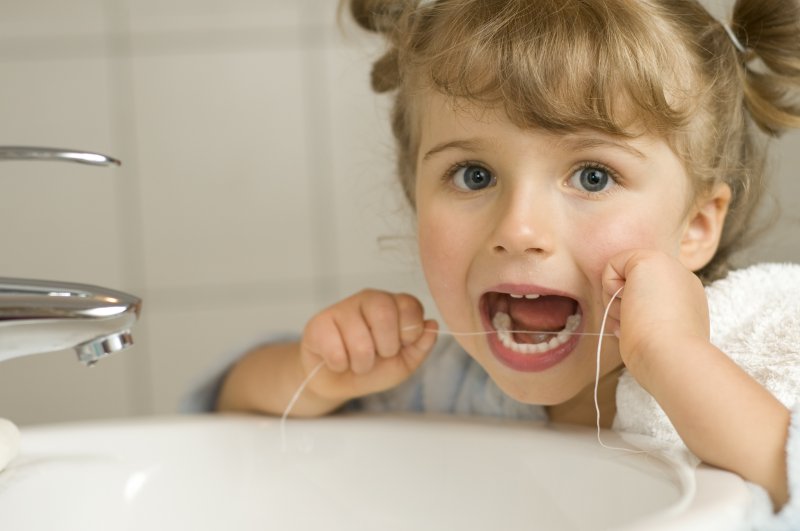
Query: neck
[(580, 409)]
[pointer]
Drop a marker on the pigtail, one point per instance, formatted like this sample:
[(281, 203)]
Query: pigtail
[(769, 31), (382, 16)]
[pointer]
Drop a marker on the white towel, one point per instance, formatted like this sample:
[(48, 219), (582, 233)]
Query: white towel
[(755, 319)]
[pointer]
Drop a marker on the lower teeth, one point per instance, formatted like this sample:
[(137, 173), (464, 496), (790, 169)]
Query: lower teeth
[(502, 324)]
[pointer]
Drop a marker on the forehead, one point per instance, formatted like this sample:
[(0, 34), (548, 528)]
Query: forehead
[(444, 120)]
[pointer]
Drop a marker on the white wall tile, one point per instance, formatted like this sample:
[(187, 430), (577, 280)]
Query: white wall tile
[(60, 219), (223, 168), (374, 223), (59, 102), (49, 18), (188, 344), (190, 15)]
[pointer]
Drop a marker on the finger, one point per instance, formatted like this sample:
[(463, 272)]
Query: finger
[(358, 341), (612, 319), (613, 280), (322, 339), (426, 340), (615, 308), (397, 369), (381, 314), (412, 324)]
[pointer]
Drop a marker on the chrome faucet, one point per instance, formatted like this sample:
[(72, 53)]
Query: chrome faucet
[(38, 316)]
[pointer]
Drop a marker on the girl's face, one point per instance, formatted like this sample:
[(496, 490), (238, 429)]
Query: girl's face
[(515, 229)]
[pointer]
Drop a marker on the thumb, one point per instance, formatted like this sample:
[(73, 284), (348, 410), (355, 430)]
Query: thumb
[(415, 353)]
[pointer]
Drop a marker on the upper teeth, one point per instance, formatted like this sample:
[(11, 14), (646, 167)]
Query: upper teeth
[(502, 323), (528, 296)]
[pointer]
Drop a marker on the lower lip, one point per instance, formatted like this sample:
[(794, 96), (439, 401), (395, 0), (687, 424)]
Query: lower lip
[(529, 362)]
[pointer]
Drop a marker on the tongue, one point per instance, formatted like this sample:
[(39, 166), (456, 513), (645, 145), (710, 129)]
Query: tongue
[(547, 313)]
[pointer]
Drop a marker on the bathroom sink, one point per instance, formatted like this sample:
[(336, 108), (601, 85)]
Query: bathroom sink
[(353, 472)]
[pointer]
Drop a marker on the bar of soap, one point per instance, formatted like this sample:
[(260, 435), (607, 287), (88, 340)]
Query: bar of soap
[(9, 442)]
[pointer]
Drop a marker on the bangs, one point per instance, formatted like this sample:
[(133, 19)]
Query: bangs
[(560, 65)]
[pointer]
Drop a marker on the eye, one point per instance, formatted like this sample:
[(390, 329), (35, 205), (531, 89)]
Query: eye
[(472, 177), (592, 179)]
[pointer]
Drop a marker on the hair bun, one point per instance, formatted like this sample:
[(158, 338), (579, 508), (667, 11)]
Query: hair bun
[(379, 16), (385, 74), (770, 29)]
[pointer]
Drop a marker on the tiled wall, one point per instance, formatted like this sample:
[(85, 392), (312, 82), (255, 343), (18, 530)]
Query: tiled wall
[(256, 183)]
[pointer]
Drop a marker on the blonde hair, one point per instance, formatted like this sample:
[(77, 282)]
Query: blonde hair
[(608, 65)]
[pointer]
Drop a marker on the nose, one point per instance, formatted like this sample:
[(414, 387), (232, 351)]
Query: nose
[(524, 226)]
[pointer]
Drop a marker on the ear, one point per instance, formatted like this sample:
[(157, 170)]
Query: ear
[(703, 228)]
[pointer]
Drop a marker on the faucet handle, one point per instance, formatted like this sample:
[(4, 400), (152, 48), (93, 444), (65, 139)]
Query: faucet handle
[(57, 154)]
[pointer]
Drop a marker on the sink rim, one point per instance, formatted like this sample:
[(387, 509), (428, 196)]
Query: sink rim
[(696, 508)]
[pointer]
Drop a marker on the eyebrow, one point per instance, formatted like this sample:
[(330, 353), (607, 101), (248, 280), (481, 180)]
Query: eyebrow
[(466, 144), (576, 142), (595, 142)]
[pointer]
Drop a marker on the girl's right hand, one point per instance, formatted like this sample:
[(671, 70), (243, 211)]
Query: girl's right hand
[(369, 342)]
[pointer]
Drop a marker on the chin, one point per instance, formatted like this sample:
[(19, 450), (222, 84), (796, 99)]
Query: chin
[(535, 390)]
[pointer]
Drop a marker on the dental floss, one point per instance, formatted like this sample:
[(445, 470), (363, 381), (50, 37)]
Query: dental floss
[(293, 401), (486, 333), (597, 376), (600, 335)]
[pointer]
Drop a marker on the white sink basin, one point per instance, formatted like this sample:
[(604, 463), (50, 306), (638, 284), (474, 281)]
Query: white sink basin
[(351, 473)]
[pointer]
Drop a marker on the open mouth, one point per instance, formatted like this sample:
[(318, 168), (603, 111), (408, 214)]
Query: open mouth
[(532, 323)]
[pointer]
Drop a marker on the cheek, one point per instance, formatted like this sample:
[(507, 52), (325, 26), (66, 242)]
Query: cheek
[(447, 244), (438, 250), (615, 234)]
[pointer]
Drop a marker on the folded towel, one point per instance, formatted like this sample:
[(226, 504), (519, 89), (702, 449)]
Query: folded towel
[(755, 319)]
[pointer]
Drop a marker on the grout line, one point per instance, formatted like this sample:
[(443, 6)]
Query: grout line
[(323, 211), (129, 206), (205, 295), (158, 43)]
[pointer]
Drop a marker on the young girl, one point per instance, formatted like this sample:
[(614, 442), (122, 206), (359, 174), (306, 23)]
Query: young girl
[(555, 151)]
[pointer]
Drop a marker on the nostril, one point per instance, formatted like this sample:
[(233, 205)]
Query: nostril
[(534, 250), (500, 249)]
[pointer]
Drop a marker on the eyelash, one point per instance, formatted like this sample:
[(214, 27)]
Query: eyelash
[(613, 175), (447, 178)]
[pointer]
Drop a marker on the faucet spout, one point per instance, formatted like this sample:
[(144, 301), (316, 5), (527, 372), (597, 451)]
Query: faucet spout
[(93, 351), (38, 316)]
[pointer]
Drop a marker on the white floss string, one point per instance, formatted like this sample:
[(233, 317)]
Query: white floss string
[(315, 370), (597, 375), (490, 332), (293, 401)]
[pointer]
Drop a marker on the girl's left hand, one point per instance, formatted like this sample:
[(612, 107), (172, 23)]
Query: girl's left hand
[(724, 416), (661, 307)]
